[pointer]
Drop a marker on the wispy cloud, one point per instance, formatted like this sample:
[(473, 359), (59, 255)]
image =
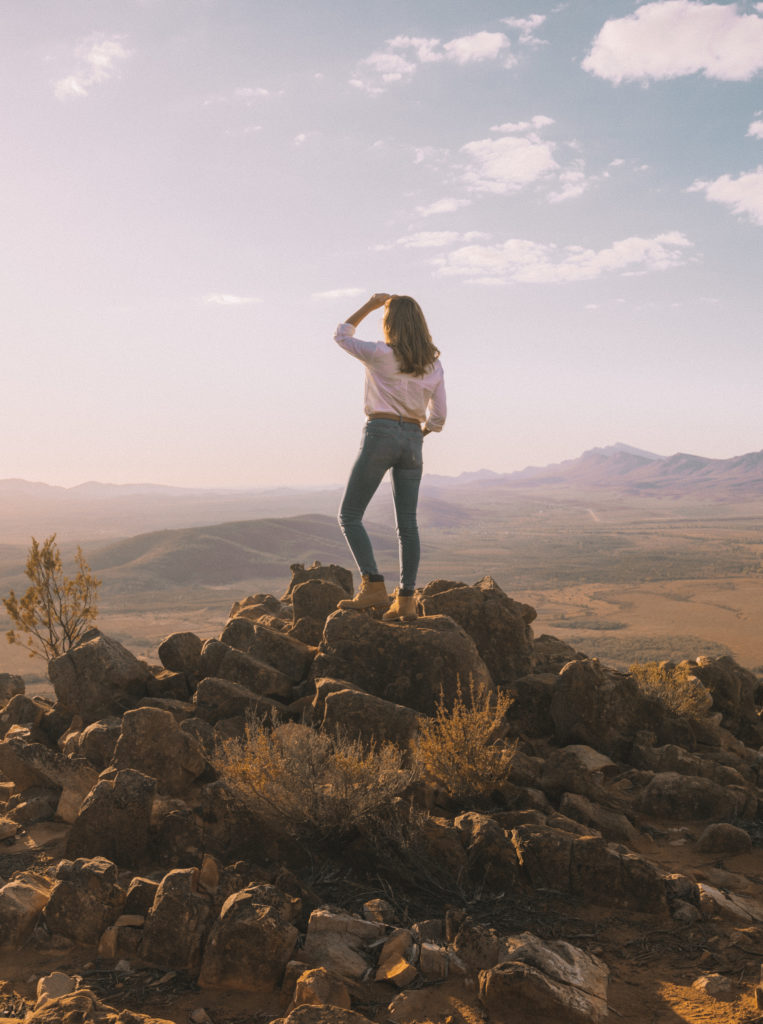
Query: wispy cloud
[(756, 130), (224, 299), (447, 205), (339, 293), (744, 195), (243, 96), (98, 59), (527, 28), (403, 55), (530, 262), (671, 38)]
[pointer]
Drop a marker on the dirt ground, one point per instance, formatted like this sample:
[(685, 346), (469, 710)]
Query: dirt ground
[(653, 961)]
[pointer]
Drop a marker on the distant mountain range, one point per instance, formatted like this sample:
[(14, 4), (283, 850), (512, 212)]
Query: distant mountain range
[(96, 511)]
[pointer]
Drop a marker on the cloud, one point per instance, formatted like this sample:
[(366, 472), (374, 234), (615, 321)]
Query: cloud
[(222, 299), (405, 54), (573, 183), (98, 60), (448, 205), (429, 239), (756, 130), (339, 293), (530, 262), (679, 37), (744, 195), (527, 27), (507, 164), (534, 124)]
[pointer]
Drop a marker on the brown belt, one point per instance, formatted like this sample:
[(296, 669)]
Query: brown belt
[(392, 416)]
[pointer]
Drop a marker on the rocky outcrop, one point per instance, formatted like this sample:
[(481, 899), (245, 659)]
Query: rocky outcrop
[(10, 685), (412, 664), (499, 626), (152, 742)]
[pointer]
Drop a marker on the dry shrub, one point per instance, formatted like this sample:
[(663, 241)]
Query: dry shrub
[(458, 748), (674, 686), (307, 782)]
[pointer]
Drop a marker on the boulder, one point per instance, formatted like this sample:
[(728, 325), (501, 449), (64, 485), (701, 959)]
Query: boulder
[(217, 699), (329, 573), (98, 740), (152, 742), (176, 925), (141, 893), (10, 685), (733, 690), (576, 769), (600, 708), (34, 765), (170, 686), (25, 711), (316, 599), (323, 1014), (339, 942), (84, 1007), (320, 987), (181, 652), (552, 654), (53, 986), (724, 838), (675, 797), (411, 664), (21, 901), (98, 677), (354, 714), (252, 940), (217, 659), (530, 714), (549, 979), (282, 652), (114, 819), (612, 825), (492, 855), (253, 606), (499, 626), (85, 899)]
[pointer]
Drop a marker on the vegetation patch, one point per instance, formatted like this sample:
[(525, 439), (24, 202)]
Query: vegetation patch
[(674, 686)]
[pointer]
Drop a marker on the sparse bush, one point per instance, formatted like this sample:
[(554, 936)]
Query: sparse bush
[(56, 609), (674, 686), (461, 746), (308, 782)]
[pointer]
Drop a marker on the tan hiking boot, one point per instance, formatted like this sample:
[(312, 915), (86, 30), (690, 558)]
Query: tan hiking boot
[(402, 607), (371, 595)]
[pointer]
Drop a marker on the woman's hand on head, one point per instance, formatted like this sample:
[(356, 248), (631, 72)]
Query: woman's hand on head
[(378, 299)]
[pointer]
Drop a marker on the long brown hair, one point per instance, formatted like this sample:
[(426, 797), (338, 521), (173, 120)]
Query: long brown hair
[(408, 336)]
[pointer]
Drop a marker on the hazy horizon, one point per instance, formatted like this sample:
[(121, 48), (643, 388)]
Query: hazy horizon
[(195, 194)]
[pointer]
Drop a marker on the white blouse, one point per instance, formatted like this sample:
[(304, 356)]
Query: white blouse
[(390, 390)]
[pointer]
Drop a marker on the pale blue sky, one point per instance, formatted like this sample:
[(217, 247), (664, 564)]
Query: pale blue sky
[(194, 193)]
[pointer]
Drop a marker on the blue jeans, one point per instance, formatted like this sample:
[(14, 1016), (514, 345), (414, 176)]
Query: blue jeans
[(386, 444)]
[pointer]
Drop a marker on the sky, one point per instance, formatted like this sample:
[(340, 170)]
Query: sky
[(193, 193)]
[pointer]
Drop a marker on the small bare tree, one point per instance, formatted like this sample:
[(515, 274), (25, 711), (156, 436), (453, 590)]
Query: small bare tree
[(56, 610)]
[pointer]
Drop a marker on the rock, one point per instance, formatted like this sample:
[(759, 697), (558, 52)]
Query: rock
[(600, 708), (717, 987), (612, 825), (10, 685), (21, 901), (98, 677), (114, 819), (324, 1014), (732, 906), (152, 742), (83, 1007), (98, 740), (413, 665), (31, 764), (576, 769), (330, 573), (176, 925), (53, 986), (353, 713), (320, 987), (724, 838), (499, 626), (85, 900), (492, 855), (530, 714), (251, 942), (169, 686), (552, 654), (316, 599), (338, 941), (33, 805), (395, 959), (378, 910), (434, 962), (307, 631), (282, 652), (554, 979), (140, 896), (733, 690), (217, 659), (217, 699), (673, 796), (181, 652), (123, 938), (243, 608), (25, 711)]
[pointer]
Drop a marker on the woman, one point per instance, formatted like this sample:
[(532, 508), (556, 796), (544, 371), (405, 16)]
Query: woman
[(404, 401)]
